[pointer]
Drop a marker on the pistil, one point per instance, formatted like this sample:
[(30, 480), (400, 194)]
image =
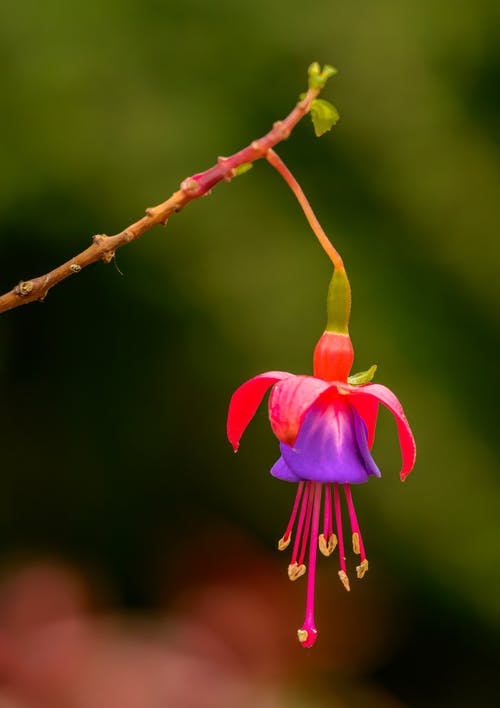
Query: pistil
[(307, 633)]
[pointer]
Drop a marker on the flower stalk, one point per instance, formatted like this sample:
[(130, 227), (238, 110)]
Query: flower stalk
[(326, 425)]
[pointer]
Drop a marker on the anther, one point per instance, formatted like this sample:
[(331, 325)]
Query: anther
[(362, 568), (344, 580), (296, 571), (284, 542), (355, 543), (327, 547), (322, 545)]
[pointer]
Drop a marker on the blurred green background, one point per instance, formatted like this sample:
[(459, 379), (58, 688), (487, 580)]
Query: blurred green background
[(114, 391)]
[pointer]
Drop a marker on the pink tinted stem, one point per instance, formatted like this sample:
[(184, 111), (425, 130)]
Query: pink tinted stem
[(325, 242)]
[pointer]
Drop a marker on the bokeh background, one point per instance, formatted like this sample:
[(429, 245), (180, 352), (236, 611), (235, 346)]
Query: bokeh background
[(137, 552)]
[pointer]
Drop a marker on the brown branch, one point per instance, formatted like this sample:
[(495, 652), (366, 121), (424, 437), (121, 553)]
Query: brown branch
[(103, 247)]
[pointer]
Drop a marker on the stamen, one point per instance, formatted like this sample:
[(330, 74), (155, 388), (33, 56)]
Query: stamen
[(283, 543), (362, 568), (327, 540), (285, 539), (357, 541), (328, 525), (305, 535), (327, 547), (344, 580), (338, 520), (295, 571), (307, 633), (300, 525)]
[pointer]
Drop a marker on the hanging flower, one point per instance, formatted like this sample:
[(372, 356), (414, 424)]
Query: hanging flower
[(326, 425)]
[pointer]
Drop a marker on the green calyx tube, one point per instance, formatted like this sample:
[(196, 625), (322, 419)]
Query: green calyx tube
[(338, 303)]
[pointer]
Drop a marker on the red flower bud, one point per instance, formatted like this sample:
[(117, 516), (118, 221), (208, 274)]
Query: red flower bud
[(333, 357)]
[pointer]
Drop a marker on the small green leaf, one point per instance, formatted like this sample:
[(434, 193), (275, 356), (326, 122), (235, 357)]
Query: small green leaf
[(363, 376), (318, 77), (329, 71), (242, 169), (324, 116), (314, 69)]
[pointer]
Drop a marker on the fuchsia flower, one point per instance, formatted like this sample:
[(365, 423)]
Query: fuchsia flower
[(326, 425)]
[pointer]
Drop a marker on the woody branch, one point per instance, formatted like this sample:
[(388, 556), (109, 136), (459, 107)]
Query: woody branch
[(103, 247)]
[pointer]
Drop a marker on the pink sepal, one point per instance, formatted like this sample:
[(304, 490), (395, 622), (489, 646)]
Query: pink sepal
[(245, 401), (377, 392)]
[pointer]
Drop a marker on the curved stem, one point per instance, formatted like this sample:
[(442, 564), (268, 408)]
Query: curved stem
[(325, 242)]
